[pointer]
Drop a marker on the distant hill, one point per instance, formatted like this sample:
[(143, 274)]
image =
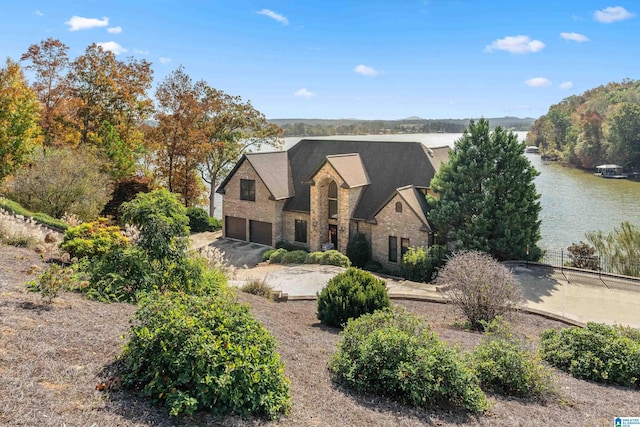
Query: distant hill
[(323, 127), (602, 125)]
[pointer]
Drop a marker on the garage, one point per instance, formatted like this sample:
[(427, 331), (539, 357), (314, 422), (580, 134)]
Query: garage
[(260, 232), (235, 228)]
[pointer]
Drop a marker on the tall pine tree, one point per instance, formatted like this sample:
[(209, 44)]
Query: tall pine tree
[(487, 199)]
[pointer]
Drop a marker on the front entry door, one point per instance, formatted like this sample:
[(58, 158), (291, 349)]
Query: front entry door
[(333, 235)]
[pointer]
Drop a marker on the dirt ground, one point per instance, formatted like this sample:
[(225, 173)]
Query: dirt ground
[(52, 358)]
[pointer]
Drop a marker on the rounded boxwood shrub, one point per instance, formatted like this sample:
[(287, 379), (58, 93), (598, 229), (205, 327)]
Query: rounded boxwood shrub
[(267, 254), (314, 258), (192, 353), (598, 352), (505, 363), (295, 257), (277, 255), (93, 239), (334, 257), (350, 295), (394, 354)]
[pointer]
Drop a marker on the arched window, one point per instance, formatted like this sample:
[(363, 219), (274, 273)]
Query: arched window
[(399, 207), (333, 200)]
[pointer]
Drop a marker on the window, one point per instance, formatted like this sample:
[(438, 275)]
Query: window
[(248, 190), (399, 207), (333, 200), (404, 246), (393, 249), (301, 231)]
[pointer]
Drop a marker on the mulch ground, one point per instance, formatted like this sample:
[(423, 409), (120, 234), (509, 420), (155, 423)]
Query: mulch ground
[(53, 357)]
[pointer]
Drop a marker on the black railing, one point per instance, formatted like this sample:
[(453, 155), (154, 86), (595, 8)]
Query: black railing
[(562, 258)]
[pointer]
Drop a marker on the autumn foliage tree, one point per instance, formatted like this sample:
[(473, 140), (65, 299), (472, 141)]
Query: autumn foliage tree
[(49, 62), (19, 111)]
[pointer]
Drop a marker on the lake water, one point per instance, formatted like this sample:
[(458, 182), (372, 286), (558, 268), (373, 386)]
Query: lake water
[(573, 201)]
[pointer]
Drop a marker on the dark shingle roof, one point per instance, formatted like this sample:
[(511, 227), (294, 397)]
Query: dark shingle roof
[(349, 167), (389, 166), (272, 168)]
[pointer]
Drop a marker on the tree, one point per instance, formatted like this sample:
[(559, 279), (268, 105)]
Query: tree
[(231, 128), (19, 111), (49, 63), (486, 198), (106, 90), (623, 135), (620, 249), (178, 137), (66, 180)]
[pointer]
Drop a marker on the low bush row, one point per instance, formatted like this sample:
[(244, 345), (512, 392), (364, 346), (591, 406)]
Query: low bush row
[(17, 209), (299, 256)]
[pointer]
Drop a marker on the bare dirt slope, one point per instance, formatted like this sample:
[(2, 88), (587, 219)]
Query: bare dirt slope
[(52, 358)]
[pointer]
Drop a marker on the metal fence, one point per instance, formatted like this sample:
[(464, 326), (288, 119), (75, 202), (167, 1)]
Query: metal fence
[(561, 258)]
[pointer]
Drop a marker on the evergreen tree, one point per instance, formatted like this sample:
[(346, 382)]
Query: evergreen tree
[(487, 199)]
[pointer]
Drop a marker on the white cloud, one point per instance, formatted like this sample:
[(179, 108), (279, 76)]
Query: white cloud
[(365, 70), (566, 85), (140, 52), (164, 60), (38, 13), (304, 93), (576, 37), (76, 23), (112, 47), (114, 30), (612, 14), (538, 82), (516, 44), (273, 15)]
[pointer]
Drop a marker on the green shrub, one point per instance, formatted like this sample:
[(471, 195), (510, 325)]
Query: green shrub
[(258, 287), (295, 257), (373, 266), (359, 250), (421, 264), (334, 257), (200, 221), (598, 352), (314, 258), (277, 255), (51, 282), (394, 354), (16, 208), (93, 239), (349, 295), (505, 364), (193, 353), (267, 254), (123, 275)]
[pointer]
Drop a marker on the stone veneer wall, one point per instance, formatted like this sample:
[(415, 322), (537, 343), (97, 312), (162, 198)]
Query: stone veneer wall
[(263, 209), (402, 225), (319, 209), (289, 228)]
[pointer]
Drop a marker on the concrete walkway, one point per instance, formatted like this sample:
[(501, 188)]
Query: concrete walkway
[(565, 295)]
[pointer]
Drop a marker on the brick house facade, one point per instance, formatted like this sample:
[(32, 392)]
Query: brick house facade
[(320, 193)]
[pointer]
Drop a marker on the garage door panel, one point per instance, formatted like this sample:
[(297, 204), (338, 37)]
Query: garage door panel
[(236, 228), (260, 232)]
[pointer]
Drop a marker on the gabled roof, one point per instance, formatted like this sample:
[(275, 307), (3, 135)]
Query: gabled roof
[(349, 167), (388, 164), (415, 200), (272, 168)]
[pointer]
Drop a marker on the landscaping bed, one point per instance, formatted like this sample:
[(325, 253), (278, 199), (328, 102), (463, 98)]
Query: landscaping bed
[(53, 357)]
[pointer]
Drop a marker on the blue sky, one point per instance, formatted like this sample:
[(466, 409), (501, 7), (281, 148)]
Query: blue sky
[(367, 59)]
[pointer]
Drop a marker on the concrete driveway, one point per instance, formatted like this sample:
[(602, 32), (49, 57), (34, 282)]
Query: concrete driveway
[(240, 254)]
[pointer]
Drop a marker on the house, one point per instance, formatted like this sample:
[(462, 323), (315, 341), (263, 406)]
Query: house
[(319, 193)]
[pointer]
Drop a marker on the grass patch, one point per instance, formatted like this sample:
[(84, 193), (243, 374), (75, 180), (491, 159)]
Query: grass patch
[(259, 287), (18, 209)]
